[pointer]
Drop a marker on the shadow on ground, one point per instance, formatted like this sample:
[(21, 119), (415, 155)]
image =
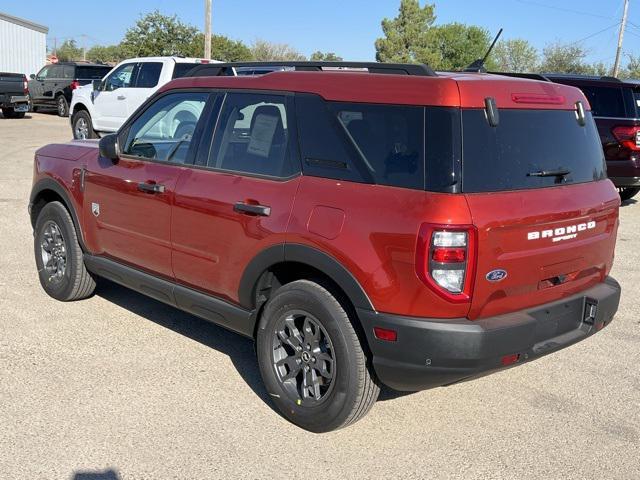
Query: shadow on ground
[(631, 201), (239, 349), (103, 475)]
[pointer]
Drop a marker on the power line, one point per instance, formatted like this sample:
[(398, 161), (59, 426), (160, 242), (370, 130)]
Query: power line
[(596, 33), (562, 9)]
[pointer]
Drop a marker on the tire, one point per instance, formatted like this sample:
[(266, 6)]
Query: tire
[(627, 193), (59, 257), (9, 112), (62, 106), (346, 386), (81, 126)]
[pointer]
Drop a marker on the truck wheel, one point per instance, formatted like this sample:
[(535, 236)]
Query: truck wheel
[(82, 128), (62, 106), (311, 359), (9, 112), (59, 256), (626, 193)]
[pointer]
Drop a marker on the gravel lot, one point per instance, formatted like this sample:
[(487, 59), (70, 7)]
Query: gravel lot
[(121, 386)]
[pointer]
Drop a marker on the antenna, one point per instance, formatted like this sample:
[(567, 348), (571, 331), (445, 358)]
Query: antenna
[(478, 65)]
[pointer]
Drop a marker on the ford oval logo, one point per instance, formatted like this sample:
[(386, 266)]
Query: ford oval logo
[(496, 275)]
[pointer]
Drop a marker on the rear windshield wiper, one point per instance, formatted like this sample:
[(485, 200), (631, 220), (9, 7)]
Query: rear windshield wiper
[(561, 172)]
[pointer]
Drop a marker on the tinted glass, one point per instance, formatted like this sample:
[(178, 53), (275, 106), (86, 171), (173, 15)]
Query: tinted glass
[(122, 77), (148, 74), (636, 99), (605, 101), (68, 71), (181, 69), (44, 73), (56, 71), (91, 73), (252, 135), (164, 131), (525, 142)]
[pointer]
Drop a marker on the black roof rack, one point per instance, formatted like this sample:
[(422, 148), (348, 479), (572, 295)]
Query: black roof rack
[(221, 69), (530, 76)]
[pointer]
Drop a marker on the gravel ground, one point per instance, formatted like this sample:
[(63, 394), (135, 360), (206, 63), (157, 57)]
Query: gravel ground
[(121, 386)]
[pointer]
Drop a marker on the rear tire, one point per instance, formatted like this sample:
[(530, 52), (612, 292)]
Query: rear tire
[(9, 112), (627, 193), (62, 106), (81, 126), (312, 361), (59, 257)]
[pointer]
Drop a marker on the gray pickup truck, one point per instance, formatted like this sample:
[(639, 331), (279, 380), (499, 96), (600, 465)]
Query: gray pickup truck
[(14, 95)]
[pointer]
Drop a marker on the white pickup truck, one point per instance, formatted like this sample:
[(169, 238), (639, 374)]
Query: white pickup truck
[(102, 107)]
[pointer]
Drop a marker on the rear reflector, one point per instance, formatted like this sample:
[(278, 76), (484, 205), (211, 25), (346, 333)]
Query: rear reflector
[(537, 98), (385, 334), (510, 359)]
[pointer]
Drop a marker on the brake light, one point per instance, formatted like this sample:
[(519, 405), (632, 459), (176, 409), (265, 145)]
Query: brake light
[(628, 136), (75, 84), (25, 85), (537, 98), (446, 258)]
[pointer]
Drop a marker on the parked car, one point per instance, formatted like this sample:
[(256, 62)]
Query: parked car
[(14, 95), (103, 106), (412, 229), (615, 106), (53, 86)]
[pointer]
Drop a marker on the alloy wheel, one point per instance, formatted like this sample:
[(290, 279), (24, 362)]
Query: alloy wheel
[(53, 251), (81, 129)]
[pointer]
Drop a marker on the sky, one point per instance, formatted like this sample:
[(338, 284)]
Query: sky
[(346, 27)]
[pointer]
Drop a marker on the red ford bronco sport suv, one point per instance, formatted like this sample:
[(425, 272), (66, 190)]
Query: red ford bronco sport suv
[(382, 224)]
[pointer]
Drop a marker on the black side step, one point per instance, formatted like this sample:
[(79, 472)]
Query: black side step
[(197, 303)]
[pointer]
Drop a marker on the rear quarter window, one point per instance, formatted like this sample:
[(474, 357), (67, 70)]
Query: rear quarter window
[(605, 101), (181, 69)]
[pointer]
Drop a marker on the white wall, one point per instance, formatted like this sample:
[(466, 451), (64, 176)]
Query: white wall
[(22, 50)]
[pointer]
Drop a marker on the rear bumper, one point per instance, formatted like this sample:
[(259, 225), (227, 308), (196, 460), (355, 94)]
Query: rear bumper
[(626, 181), (431, 352)]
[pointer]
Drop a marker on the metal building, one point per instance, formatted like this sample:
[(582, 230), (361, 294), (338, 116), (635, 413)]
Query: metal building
[(23, 45)]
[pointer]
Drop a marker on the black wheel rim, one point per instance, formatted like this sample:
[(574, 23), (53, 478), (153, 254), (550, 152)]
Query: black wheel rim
[(303, 358)]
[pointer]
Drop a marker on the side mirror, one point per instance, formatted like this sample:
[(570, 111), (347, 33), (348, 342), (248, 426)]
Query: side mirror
[(97, 84), (32, 76), (109, 147)]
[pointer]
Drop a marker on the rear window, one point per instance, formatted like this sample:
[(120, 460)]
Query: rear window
[(181, 69), (148, 74), (525, 143), (92, 73), (605, 101)]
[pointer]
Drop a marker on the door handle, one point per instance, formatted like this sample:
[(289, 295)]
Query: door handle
[(251, 209), (121, 97), (150, 187)]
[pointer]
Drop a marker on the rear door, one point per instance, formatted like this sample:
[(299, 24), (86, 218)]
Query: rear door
[(128, 202), (546, 214), (237, 199), (110, 102), (146, 83), (51, 82)]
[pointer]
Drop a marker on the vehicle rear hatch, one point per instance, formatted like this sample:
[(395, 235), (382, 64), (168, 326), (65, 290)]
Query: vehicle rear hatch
[(546, 214)]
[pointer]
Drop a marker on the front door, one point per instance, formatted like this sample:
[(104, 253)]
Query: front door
[(128, 202), (238, 200), (110, 102)]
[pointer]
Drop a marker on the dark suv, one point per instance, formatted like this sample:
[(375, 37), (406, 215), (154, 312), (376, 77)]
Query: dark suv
[(387, 225), (53, 86)]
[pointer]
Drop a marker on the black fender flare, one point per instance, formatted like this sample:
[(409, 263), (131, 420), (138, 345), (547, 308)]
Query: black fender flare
[(304, 254), (50, 184)]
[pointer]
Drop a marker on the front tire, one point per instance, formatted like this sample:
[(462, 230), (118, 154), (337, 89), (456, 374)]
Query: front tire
[(81, 125), (59, 257), (627, 193), (312, 361), (9, 112), (62, 106)]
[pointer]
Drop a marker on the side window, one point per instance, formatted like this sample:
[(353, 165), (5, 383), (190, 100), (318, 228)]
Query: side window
[(56, 72), (68, 71), (252, 135), (605, 101), (122, 77), (163, 132), (44, 73), (148, 74)]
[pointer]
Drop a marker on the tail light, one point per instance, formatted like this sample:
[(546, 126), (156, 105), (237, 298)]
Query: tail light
[(628, 136), (446, 260), (25, 85), (75, 84)]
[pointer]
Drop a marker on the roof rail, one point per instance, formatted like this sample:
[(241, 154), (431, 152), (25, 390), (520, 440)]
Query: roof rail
[(222, 69), (530, 76)]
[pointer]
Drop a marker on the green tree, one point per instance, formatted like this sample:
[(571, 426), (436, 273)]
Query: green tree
[(633, 68), (158, 35), (69, 51), (325, 57), (454, 46), (262, 50), (105, 54), (406, 37), (564, 58), (515, 55), (222, 48)]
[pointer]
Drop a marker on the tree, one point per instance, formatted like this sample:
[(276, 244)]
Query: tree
[(262, 50), (105, 54), (454, 46), (633, 68), (222, 48), (69, 51), (406, 36), (158, 35), (515, 55), (325, 57), (564, 58)]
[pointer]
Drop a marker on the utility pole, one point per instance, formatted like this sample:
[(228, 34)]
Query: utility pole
[(207, 29), (623, 24)]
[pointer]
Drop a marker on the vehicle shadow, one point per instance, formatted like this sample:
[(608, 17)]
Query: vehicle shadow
[(238, 348), (104, 475), (629, 202)]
